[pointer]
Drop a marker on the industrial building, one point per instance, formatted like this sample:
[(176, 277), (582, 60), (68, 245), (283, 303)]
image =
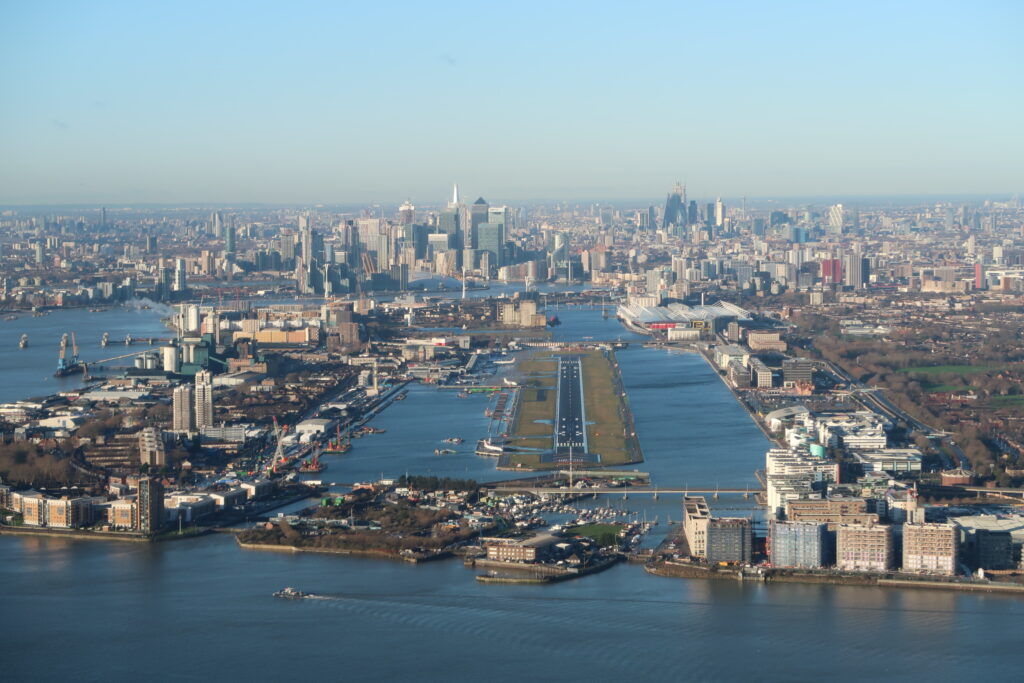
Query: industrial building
[(653, 319)]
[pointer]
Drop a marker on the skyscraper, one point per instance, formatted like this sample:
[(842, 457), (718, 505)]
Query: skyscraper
[(477, 215), (836, 217), (184, 417), (450, 220), (492, 241), (150, 507), (719, 213), (179, 284), (675, 207), (229, 241), (406, 213), (853, 275), (204, 399)]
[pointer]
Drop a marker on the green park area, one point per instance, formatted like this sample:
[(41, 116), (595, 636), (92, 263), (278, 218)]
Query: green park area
[(947, 378), (604, 534)]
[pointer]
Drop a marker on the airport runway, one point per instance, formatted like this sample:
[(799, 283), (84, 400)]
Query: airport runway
[(570, 427)]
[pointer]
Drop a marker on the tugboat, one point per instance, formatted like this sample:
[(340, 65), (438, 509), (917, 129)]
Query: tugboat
[(290, 593), (553, 321)]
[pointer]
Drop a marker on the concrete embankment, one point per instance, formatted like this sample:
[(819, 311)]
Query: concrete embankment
[(77, 534), (378, 554), (688, 571), (536, 573)]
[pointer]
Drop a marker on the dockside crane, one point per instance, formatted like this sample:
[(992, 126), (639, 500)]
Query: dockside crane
[(62, 361)]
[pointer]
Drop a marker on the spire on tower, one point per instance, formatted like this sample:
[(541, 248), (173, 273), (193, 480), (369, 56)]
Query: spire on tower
[(455, 194)]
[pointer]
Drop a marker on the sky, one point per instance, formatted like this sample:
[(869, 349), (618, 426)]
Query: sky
[(341, 102)]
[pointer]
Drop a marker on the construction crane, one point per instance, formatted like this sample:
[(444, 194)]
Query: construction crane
[(279, 452), (64, 366)]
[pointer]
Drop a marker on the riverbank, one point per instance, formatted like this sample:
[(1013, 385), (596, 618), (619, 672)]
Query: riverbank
[(670, 569), (77, 534), (537, 573), (377, 554)]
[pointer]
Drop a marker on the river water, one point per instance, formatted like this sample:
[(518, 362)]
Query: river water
[(194, 609), (29, 372)]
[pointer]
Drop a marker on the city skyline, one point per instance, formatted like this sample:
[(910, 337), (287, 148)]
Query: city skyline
[(119, 104)]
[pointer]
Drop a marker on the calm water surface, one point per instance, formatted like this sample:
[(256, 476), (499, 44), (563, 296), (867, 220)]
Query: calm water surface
[(29, 372), (194, 609)]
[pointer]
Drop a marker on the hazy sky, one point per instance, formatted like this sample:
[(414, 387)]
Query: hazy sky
[(216, 101)]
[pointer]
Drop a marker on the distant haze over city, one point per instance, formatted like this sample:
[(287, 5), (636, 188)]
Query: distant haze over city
[(120, 103)]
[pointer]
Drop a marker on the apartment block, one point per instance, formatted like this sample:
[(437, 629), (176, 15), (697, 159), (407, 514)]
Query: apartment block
[(864, 548), (930, 548), (797, 544)]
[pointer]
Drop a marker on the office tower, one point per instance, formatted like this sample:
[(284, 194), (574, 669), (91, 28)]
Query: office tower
[(719, 213), (491, 240), (150, 508), (450, 220), (675, 208), (184, 417), (416, 237), (836, 216), (103, 217), (179, 284), (216, 224), (500, 214), (204, 399), (652, 217), (406, 213), (477, 216), (38, 252), (979, 276), (229, 241)]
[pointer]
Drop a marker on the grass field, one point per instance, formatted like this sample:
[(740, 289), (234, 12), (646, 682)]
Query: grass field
[(1006, 401), (605, 436), (536, 402), (950, 369), (604, 534)]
